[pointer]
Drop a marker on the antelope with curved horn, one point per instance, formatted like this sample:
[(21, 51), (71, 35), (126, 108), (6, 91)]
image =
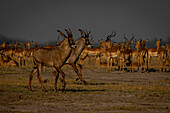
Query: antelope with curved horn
[(81, 43), (128, 42), (110, 50), (108, 40), (53, 57), (91, 52)]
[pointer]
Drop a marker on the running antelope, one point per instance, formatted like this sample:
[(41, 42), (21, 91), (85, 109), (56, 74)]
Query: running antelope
[(53, 57), (81, 43)]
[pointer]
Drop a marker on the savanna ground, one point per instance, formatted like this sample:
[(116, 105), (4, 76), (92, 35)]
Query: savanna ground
[(104, 92)]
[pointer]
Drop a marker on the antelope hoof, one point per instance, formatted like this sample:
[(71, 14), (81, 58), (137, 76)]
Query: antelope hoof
[(55, 91), (84, 82), (44, 90), (30, 90), (77, 79), (62, 90)]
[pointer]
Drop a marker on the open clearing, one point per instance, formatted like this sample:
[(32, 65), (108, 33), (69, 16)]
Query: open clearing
[(105, 92)]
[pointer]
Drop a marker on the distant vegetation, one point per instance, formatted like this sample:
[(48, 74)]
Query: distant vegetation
[(149, 44)]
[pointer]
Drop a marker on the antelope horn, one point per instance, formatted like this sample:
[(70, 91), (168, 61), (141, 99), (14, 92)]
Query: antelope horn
[(68, 33), (62, 34), (125, 38), (114, 34), (111, 33), (132, 37), (85, 34), (82, 34), (58, 41), (108, 37), (71, 32)]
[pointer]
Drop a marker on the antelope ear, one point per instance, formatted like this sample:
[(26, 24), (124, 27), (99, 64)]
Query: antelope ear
[(69, 33), (62, 34)]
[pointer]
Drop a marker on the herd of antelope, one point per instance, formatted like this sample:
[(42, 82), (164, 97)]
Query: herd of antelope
[(118, 56)]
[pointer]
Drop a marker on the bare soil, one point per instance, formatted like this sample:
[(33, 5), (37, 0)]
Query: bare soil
[(116, 92)]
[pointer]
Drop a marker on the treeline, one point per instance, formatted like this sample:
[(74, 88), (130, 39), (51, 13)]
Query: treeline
[(149, 44)]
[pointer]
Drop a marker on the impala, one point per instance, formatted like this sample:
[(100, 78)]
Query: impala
[(91, 52), (128, 42), (153, 52), (9, 62)]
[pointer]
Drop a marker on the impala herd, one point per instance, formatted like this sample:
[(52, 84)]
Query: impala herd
[(118, 56)]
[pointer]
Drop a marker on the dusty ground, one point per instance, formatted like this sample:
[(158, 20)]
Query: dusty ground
[(116, 92)]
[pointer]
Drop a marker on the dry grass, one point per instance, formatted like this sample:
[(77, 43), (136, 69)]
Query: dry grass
[(104, 92)]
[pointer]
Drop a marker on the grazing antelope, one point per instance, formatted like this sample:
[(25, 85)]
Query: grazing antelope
[(9, 62), (53, 57), (8, 51), (18, 53)]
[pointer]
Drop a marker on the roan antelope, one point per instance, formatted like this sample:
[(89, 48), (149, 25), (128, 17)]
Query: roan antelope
[(53, 57), (81, 43)]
